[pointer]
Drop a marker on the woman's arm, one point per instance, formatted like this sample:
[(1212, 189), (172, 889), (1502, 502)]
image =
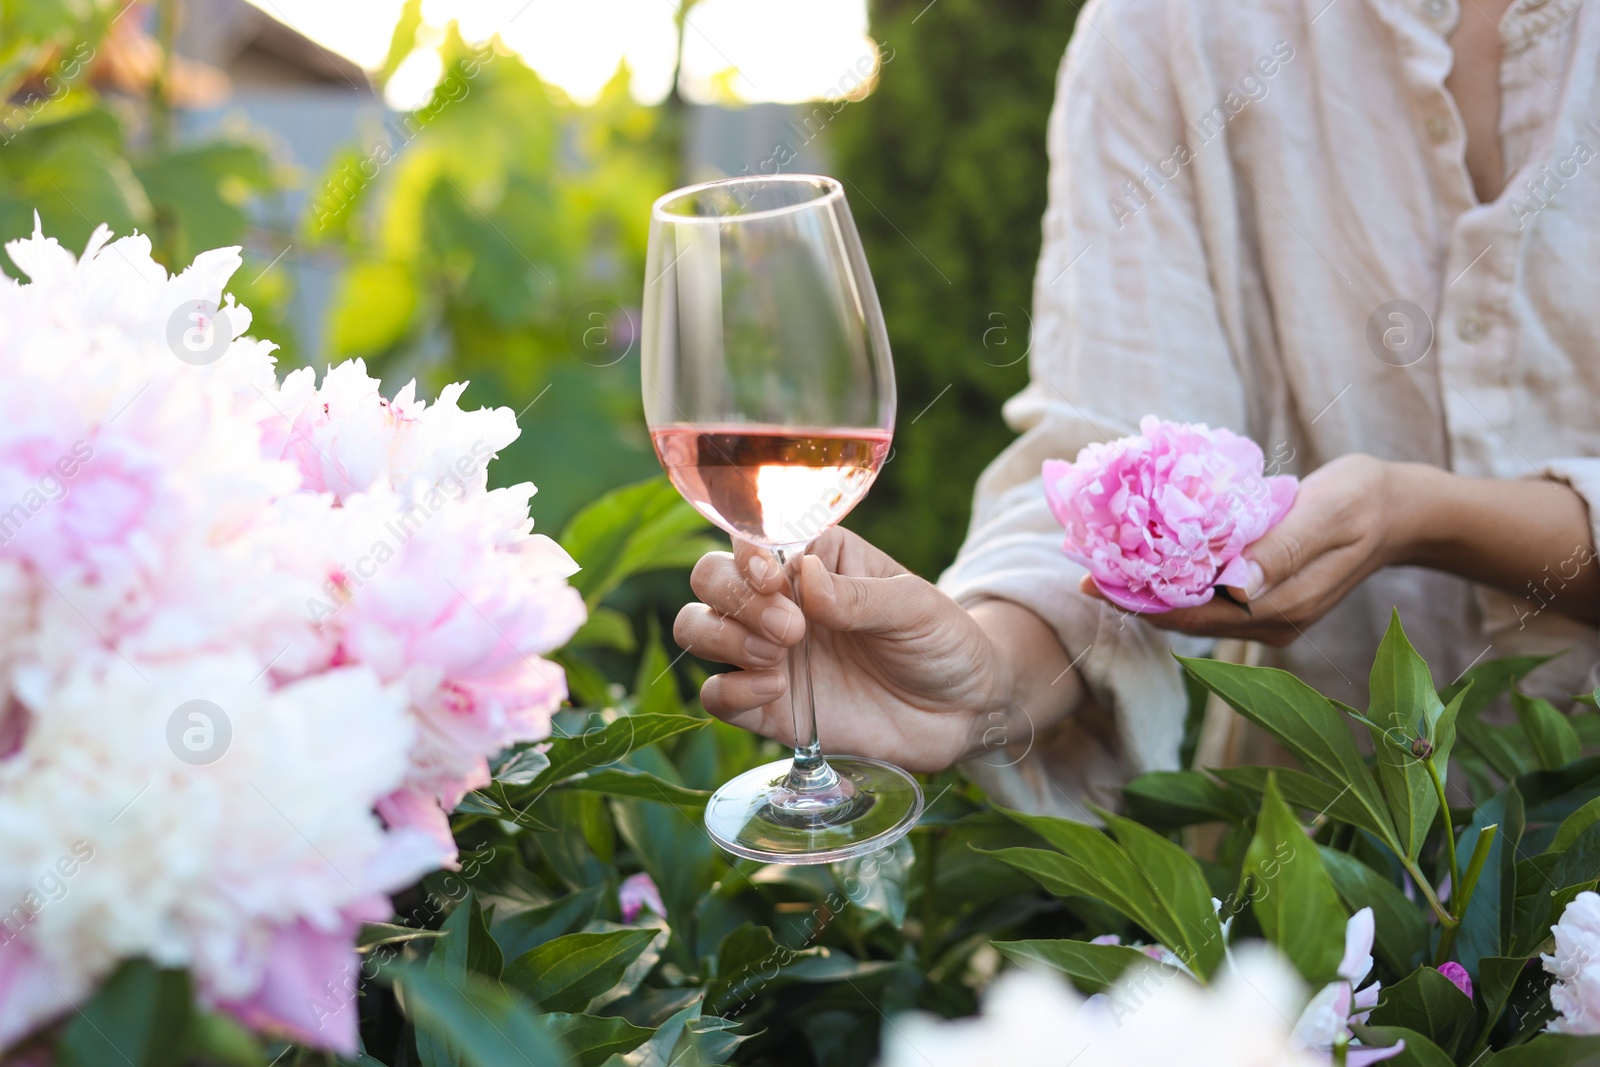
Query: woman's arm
[(1530, 538), (1358, 514)]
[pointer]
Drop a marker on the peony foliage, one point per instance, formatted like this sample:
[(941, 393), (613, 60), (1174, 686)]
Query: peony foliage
[(455, 816)]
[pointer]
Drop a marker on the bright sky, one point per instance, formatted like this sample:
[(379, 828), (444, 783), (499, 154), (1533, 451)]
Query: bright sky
[(750, 50)]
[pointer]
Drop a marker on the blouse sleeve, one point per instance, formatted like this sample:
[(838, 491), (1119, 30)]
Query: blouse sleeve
[(1137, 310)]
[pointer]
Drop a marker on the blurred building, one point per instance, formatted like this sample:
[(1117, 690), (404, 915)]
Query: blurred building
[(308, 102), (240, 67)]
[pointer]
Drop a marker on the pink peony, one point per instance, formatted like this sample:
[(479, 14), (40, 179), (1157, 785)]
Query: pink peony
[(1457, 974), (1162, 518), (639, 892)]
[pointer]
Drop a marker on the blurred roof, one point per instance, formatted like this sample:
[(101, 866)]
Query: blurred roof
[(258, 51)]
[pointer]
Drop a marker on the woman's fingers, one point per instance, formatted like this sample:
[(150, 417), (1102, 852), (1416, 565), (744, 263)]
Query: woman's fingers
[(723, 639), (751, 701), (759, 569), (754, 601)]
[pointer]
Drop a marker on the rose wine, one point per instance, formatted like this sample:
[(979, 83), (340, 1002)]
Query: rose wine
[(774, 486)]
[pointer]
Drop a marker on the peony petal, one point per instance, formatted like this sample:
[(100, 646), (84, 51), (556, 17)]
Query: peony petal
[(1282, 489), (308, 989), (1358, 934), (638, 892), (1457, 974), (1236, 574), (1132, 600)]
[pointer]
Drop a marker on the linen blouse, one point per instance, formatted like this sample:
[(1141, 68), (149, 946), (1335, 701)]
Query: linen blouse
[(1260, 217)]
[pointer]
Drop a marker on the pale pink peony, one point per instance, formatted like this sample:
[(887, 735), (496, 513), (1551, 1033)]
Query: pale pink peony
[(1326, 1020), (326, 569), (1162, 518), (637, 893), (455, 604), (308, 987), (1575, 994)]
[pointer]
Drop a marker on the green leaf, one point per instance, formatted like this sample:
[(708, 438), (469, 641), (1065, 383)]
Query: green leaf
[(748, 960), (605, 628), (521, 766), (686, 1039), (1301, 790), (1402, 928), (566, 973), (1173, 799), (656, 687), (1577, 865), (1419, 1051), (751, 964), (1496, 977), (605, 744), (1555, 742), (1170, 899), (1548, 1050), (403, 40), (641, 785), (1429, 1003), (526, 930), (373, 307), (1092, 968), (1486, 681), (202, 195), (374, 934), (1293, 897), (1553, 795), (641, 527), (672, 845), (130, 1020), (593, 1039), (587, 683), (1404, 706), (1504, 748), (1575, 824), (465, 944), (1308, 725), (1486, 929), (464, 948), (482, 1023), (1179, 885), (213, 1037)]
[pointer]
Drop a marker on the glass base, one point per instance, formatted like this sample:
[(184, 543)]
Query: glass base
[(756, 816)]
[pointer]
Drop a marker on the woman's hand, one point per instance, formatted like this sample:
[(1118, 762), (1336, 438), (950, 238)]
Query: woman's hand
[(1345, 523), (900, 671), (1357, 514)]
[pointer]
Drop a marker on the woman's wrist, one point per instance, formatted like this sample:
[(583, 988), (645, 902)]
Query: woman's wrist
[(1507, 533), (1033, 683), (1416, 506)]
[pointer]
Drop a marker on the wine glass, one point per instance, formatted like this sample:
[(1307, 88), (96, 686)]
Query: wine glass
[(769, 392)]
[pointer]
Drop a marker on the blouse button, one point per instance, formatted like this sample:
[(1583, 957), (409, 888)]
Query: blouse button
[(1438, 129), (1436, 10), (1470, 329)]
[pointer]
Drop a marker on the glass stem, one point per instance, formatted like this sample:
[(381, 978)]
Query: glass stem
[(809, 776)]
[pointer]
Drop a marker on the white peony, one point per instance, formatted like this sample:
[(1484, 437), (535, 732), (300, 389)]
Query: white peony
[(1152, 1015), (1575, 963)]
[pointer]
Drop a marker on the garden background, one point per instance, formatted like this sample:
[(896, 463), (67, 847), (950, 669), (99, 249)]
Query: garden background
[(497, 233), (501, 223)]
